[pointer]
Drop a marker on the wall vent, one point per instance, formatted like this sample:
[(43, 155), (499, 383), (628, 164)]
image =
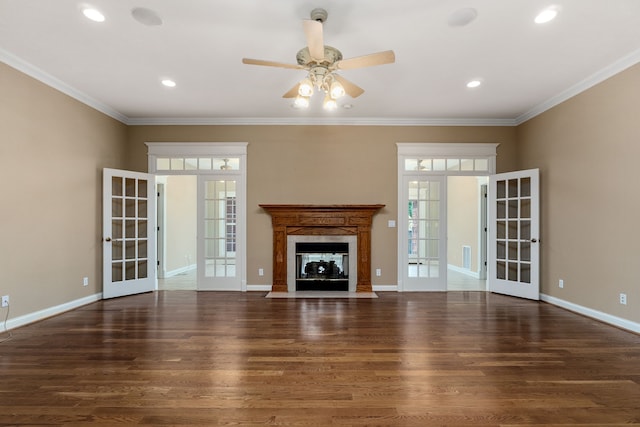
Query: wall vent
[(466, 257)]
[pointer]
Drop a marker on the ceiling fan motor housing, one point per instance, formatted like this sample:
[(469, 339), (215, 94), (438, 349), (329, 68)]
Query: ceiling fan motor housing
[(331, 56)]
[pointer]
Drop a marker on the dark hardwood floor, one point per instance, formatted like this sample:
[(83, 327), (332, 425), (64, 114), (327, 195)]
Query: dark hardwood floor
[(404, 359)]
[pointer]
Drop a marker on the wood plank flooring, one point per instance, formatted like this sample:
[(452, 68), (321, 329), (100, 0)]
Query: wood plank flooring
[(403, 359)]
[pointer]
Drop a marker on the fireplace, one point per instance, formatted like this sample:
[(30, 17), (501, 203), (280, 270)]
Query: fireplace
[(320, 224), (321, 263)]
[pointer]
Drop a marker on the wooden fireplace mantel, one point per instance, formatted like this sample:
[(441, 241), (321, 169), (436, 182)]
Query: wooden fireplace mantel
[(321, 220)]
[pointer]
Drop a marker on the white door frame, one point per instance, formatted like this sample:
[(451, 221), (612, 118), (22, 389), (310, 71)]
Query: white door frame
[(206, 159), (440, 159)]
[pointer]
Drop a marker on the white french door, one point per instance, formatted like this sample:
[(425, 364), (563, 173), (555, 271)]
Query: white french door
[(424, 266), (514, 240), (220, 233), (129, 233)]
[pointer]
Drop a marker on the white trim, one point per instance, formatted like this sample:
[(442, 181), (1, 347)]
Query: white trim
[(316, 121), (385, 288), (195, 149), (594, 79), (448, 149), (259, 288), (51, 311), (464, 271), (43, 77), (594, 314), (180, 270)]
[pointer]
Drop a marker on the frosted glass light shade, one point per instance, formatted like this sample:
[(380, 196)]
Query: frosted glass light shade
[(305, 88)]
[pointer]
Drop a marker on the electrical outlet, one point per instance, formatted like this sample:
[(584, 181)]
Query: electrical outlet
[(261, 272), (623, 299), (5, 300), (561, 283), (378, 272), (85, 281)]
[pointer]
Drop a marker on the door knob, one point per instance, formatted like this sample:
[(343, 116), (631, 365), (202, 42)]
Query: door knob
[(108, 239), (534, 240)]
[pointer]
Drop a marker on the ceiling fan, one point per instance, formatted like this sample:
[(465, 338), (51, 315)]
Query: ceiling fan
[(321, 62)]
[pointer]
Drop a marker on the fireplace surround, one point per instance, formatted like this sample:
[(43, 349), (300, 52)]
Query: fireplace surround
[(321, 223)]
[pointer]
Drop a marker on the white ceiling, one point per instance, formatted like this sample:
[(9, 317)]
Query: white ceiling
[(116, 66)]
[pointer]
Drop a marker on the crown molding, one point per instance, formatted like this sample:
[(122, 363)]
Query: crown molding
[(310, 121), (40, 75), (617, 67)]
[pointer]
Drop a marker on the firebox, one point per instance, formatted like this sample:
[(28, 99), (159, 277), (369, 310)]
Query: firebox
[(322, 266)]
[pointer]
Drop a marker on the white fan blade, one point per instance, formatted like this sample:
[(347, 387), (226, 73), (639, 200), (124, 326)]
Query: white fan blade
[(386, 57), (293, 92), (271, 63), (350, 89), (315, 42)]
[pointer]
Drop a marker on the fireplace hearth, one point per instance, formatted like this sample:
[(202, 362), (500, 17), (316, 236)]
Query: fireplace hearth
[(318, 225)]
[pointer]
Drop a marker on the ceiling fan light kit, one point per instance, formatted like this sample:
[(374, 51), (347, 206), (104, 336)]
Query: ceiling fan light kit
[(321, 62)]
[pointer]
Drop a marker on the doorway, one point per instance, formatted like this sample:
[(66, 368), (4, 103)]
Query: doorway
[(466, 233), (429, 249), (177, 232), (210, 239)]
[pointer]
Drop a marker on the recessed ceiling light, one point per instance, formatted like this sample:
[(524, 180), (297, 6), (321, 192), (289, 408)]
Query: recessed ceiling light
[(168, 83), (93, 14), (547, 15), (474, 83), (146, 16), (462, 17)]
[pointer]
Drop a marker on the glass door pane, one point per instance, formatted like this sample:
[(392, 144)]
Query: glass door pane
[(219, 233), (513, 234), (424, 266), (128, 228), (220, 229)]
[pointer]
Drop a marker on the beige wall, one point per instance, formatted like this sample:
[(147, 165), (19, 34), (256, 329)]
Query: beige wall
[(181, 220), (321, 165), (587, 150), (52, 151), (463, 219)]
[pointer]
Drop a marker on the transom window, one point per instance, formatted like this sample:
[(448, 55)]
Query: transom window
[(206, 163), (429, 164)]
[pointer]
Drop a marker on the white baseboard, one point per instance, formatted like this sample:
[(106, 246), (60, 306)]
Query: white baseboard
[(595, 314), (51, 311), (180, 270), (385, 288), (464, 271), (261, 288)]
